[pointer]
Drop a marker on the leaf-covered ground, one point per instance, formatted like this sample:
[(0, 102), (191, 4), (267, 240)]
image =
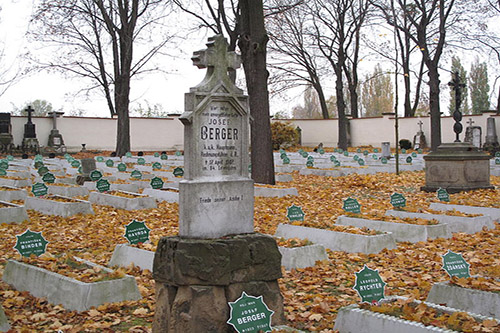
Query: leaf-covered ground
[(312, 296)]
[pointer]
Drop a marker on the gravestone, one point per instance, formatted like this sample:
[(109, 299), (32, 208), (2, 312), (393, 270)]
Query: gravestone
[(386, 150), (419, 140), (473, 134), (88, 165), (55, 138), (30, 142), (6, 138), (217, 255), (491, 142)]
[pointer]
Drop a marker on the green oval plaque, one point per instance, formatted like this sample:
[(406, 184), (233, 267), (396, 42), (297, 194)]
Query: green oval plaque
[(369, 285), (122, 167), (321, 151), (178, 172), (250, 314), (136, 232), (136, 174), (156, 183), (361, 161), (95, 175), (403, 151), (346, 153), (355, 157), (351, 206), (455, 265), (49, 178), (30, 242), (102, 185), (413, 154), (39, 189)]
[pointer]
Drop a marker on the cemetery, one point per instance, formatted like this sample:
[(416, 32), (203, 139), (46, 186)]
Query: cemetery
[(186, 241)]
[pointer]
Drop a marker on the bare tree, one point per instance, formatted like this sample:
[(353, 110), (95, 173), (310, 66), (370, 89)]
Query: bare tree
[(96, 40), (294, 55), (336, 32)]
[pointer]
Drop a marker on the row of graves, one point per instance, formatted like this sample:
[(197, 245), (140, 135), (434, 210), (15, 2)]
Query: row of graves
[(218, 274)]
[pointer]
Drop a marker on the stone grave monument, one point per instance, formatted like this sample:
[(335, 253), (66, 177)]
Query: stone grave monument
[(419, 141), (457, 166), (6, 139), (217, 256), (30, 142), (386, 150), (473, 134), (491, 142), (56, 142)]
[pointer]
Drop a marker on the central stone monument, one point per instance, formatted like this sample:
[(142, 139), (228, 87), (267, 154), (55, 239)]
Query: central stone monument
[(30, 142), (457, 166), (217, 256)]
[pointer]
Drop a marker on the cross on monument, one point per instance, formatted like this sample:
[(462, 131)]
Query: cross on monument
[(29, 110), (420, 123), (470, 122), (457, 115), (54, 116), (216, 59)]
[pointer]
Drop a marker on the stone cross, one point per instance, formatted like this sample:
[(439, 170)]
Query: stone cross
[(470, 122), (29, 110), (54, 116), (420, 123), (457, 115)]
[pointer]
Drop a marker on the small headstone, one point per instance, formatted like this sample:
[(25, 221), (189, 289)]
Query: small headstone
[(295, 213), (398, 200), (30, 242), (102, 185), (369, 285), (352, 206), (473, 134), (48, 178), (455, 265), (30, 142), (156, 183), (386, 150), (443, 195), (250, 314), (39, 189), (137, 232), (419, 140)]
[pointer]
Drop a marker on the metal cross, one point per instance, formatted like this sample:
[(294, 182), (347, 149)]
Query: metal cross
[(457, 115), (470, 122), (420, 123), (29, 110)]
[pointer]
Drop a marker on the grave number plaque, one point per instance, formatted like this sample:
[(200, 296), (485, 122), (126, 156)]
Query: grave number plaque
[(455, 265), (409, 159), (443, 195), (164, 157), (110, 163), (128, 154), (137, 232), (49, 178), (369, 285), (136, 174), (156, 166), (141, 161), (103, 185), (420, 151), (497, 161), (43, 170), (321, 151), (30, 242), (383, 160), (3, 172), (361, 162), (398, 200), (178, 172), (375, 150), (309, 163), (10, 158), (4, 164), (414, 154), (295, 213), (95, 175), (286, 160), (346, 153), (178, 153), (157, 154), (75, 164), (122, 167), (99, 159), (38, 164), (156, 183), (250, 314), (39, 189), (352, 206), (336, 163)]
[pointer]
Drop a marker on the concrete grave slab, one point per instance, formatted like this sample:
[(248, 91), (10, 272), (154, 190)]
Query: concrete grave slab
[(338, 241), (302, 257), (168, 194), (274, 192), (494, 213), (68, 191), (138, 202), (12, 213), (10, 193), (59, 208), (402, 232), (469, 225), (70, 293), (4, 322), (124, 255)]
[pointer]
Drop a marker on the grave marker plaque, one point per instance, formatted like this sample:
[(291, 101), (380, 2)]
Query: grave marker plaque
[(30, 242), (369, 285), (216, 197), (49, 178), (455, 265), (295, 213), (156, 183), (39, 189), (250, 314), (136, 232)]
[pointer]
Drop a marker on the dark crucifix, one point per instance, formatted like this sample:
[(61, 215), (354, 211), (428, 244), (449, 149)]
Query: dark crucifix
[(457, 115)]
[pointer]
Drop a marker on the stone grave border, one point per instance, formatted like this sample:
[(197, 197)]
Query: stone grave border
[(302, 256), (168, 194), (13, 214), (13, 193), (64, 209), (68, 191), (494, 213), (140, 202)]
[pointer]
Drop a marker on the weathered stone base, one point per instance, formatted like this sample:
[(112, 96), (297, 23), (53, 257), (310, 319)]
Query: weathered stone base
[(457, 167), (196, 278)]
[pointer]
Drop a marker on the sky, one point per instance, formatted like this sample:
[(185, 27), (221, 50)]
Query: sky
[(166, 89)]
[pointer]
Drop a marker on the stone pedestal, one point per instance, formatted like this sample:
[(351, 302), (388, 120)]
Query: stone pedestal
[(386, 150), (196, 278), (457, 167)]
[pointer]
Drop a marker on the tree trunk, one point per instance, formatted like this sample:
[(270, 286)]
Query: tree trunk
[(339, 86), (252, 43), (122, 92), (322, 100), (434, 107)]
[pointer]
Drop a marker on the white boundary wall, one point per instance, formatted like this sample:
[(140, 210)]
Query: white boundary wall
[(158, 134)]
